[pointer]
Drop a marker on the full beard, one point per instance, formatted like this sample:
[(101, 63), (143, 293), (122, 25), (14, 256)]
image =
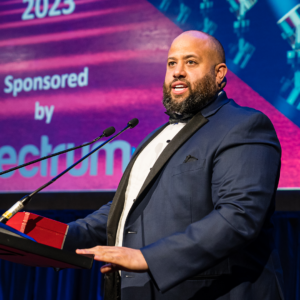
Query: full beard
[(204, 92)]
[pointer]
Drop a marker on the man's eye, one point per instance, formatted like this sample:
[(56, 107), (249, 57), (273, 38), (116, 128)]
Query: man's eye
[(190, 62), (171, 63)]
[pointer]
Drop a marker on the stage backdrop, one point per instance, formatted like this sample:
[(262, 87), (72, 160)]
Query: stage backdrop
[(71, 68)]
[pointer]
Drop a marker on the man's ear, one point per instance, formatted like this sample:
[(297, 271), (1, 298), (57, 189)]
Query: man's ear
[(221, 71)]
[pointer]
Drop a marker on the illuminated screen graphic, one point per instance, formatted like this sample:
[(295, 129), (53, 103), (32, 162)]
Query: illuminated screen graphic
[(71, 68)]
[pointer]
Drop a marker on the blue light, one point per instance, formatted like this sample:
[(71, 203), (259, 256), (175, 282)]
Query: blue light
[(280, 7)]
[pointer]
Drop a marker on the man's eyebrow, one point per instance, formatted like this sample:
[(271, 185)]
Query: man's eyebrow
[(190, 55), (185, 57)]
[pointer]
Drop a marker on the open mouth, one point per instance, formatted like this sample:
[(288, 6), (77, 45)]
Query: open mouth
[(179, 88)]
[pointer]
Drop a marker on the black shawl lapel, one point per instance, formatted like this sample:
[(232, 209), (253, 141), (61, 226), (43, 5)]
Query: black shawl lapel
[(183, 135), (119, 198)]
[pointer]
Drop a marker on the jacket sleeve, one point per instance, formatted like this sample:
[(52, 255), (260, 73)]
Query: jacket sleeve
[(88, 232), (244, 180)]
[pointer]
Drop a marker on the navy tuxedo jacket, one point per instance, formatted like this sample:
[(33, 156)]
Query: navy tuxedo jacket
[(202, 217)]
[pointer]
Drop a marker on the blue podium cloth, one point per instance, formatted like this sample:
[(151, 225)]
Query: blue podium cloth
[(29, 283)]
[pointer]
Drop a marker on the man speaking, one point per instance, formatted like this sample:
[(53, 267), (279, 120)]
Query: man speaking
[(191, 216)]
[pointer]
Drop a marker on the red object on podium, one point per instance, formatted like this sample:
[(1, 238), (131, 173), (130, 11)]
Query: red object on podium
[(43, 230), (31, 246)]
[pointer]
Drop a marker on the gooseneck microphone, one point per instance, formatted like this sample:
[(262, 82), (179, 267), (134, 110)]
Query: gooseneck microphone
[(107, 132), (19, 205), (132, 123)]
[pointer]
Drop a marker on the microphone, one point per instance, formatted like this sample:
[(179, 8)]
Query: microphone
[(132, 123), (19, 205), (107, 132)]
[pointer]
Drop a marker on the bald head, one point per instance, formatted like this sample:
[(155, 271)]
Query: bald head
[(195, 72), (215, 49)]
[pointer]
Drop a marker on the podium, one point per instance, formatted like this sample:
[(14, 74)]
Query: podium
[(20, 248)]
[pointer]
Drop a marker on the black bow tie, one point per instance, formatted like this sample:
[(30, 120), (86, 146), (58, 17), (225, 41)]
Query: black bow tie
[(178, 118)]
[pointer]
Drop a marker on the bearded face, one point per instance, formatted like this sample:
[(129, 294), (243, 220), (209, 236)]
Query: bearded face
[(203, 92)]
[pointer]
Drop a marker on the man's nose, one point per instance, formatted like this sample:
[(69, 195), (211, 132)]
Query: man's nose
[(179, 71)]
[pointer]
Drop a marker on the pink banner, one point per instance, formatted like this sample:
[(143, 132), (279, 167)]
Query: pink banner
[(69, 72)]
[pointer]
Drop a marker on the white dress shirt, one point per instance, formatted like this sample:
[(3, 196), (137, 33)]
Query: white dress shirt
[(141, 169)]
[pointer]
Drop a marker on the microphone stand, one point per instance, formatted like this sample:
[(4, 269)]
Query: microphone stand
[(107, 132), (19, 205)]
